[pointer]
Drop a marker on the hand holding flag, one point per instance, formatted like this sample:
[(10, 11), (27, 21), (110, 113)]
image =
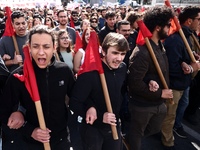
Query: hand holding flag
[(93, 62), (167, 3), (146, 34), (30, 82), (9, 30)]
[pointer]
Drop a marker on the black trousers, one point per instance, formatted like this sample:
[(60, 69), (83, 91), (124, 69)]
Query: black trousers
[(194, 96), (145, 121), (99, 139)]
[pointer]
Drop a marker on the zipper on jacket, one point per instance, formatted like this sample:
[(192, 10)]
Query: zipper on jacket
[(47, 82)]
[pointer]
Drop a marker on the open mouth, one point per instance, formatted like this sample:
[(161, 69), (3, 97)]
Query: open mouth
[(41, 61)]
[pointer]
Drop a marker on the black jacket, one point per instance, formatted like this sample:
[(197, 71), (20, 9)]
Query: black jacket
[(142, 70), (177, 53), (88, 92), (104, 31), (54, 83)]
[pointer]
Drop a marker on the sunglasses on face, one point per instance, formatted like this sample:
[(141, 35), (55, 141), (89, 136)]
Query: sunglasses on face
[(48, 20), (75, 15), (93, 21)]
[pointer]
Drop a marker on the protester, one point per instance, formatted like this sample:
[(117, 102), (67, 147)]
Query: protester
[(48, 21), (147, 107), (180, 72), (55, 81), (63, 21), (84, 25), (190, 114), (88, 99), (29, 23), (6, 43), (80, 55), (110, 25), (74, 21), (133, 17), (64, 48), (94, 24), (124, 28), (102, 18)]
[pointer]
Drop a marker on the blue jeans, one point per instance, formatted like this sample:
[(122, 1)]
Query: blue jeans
[(182, 105)]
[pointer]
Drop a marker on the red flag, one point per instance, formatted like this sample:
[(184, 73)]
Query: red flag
[(172, 28), (9, 31), (92, 57), (78, 44), (29, 76), (71, 22), (175, 20), (143, 33)]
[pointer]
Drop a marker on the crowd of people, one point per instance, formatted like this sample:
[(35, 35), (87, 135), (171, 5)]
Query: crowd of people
[(73, 104)]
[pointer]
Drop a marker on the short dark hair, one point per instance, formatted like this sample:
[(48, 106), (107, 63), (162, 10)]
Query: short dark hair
[(157, 16), (17, 14), (132, 17), (40, 29), (62, 10), (115, 40), (188, 12), (122, 22), (110, 14)]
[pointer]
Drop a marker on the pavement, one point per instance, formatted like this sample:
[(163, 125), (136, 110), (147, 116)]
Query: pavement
[(192, 142)]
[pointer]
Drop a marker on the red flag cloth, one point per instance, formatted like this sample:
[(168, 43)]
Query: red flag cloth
[(78, 44), (9, 31), (140, 39), (175, 19), (29, 76), (143, 33), (92, 59), (172, 28), (71, 22)]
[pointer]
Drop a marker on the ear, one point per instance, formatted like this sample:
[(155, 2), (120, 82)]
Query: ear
[(158, 28), (103, 53), (189, 21)]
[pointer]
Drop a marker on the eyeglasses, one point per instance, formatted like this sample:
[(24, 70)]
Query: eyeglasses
[(64, 38), (197, 19), (49, 14)]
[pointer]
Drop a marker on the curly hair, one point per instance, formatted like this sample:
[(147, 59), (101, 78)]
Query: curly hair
[(157, 16)]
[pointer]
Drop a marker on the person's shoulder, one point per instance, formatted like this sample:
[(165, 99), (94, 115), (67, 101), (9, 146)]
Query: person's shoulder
[(5, 38), (60, 65), (56, 29), (70, 29)]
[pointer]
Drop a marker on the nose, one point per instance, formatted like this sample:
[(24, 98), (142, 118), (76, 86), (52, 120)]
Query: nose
[(120, 57), (41, 51)]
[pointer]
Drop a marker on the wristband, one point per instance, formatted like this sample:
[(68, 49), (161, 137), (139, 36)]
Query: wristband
[(191, 69)]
